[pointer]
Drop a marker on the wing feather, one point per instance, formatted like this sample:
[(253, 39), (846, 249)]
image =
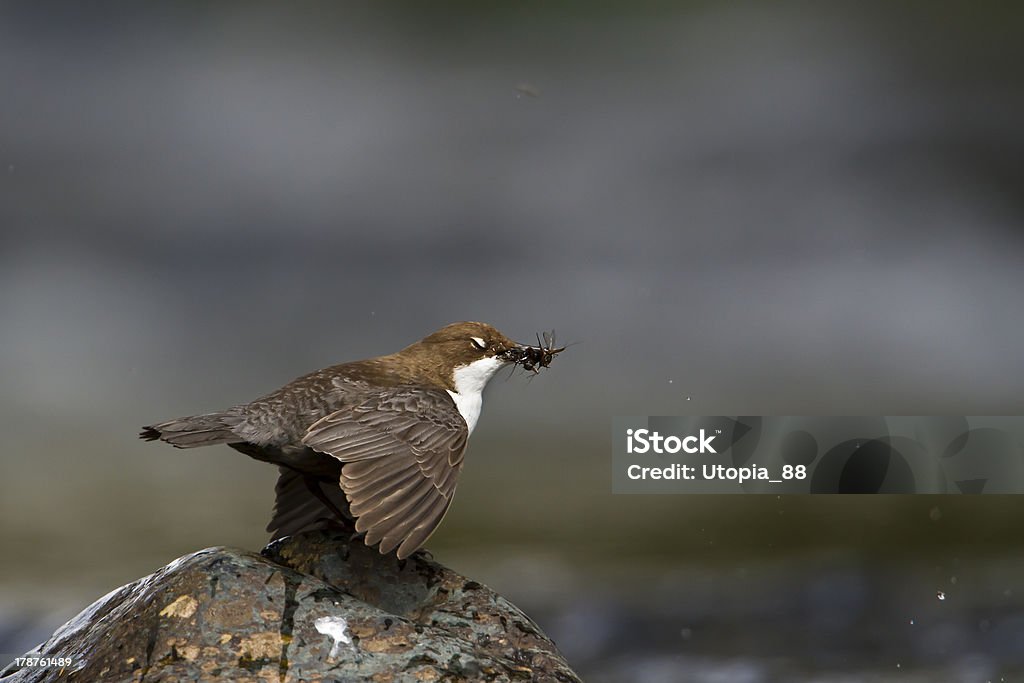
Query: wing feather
[(401, 451), (399, 505), (296, 509), (379, 488), (412, 519), (419, 534)]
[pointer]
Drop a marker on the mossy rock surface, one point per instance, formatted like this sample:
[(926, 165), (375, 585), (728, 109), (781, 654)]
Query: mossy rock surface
[(312, 607)]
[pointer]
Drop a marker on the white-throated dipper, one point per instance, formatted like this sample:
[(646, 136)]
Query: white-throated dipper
[(379, 440)]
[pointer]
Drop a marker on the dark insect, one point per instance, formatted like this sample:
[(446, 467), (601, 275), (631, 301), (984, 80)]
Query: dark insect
[(540, 356)]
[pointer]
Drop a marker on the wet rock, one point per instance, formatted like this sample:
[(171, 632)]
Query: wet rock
[(308, 608)]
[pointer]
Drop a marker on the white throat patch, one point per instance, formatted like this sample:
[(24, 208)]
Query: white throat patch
[(470, 381)]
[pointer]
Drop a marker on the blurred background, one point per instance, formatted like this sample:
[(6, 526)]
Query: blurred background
[(733, 208)]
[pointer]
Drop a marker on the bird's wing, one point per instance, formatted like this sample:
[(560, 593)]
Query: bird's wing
[(297, 509), (401, 450)]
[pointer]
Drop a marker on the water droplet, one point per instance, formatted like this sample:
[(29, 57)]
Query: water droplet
[(686, 633), (940, 595), (911, 622), (670, 381), (952, 580), (687, 398)]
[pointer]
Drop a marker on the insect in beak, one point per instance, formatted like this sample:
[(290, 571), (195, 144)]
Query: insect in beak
[(532, 358)]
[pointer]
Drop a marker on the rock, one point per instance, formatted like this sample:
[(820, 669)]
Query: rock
[(308, 608)]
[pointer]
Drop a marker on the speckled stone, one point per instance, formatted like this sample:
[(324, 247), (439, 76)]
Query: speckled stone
[(312, 607)]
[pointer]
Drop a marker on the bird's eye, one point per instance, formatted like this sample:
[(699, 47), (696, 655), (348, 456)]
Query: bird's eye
[(478, 343)]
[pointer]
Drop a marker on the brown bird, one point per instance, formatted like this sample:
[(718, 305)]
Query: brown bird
[(379, 440)]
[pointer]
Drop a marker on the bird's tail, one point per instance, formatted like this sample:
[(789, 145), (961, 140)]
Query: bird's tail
[(191, 432)]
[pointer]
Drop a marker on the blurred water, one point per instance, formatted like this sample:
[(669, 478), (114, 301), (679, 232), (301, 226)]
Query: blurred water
[(795, 210)]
